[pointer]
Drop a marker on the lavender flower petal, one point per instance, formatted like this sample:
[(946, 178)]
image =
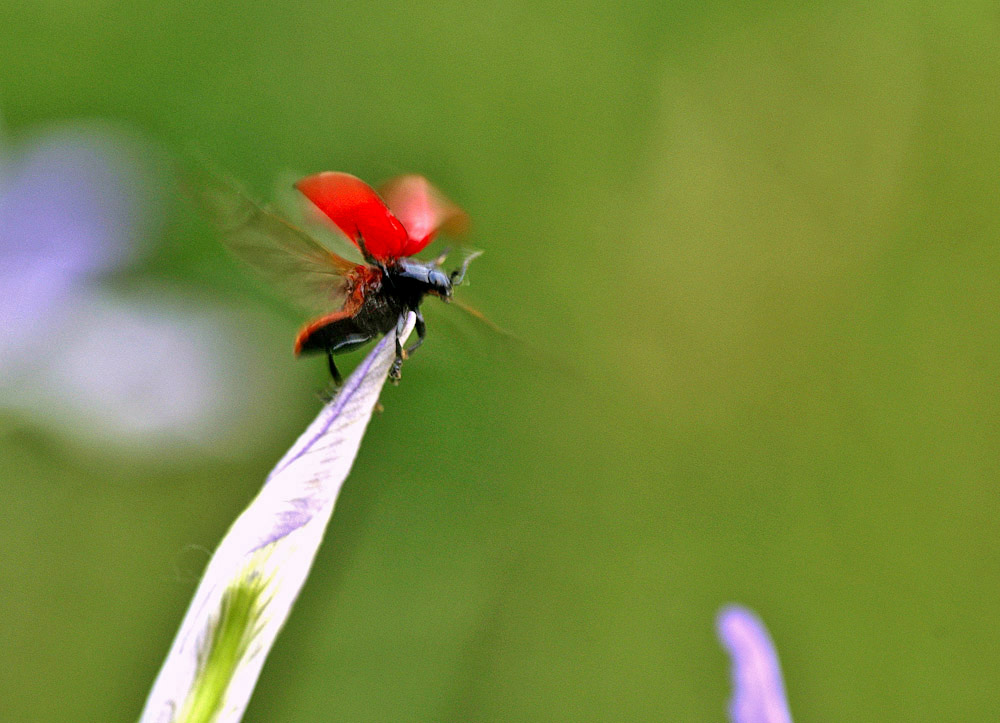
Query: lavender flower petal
[(265, 558), (69, 208), (758, 688), (145, 372), (139, 372)]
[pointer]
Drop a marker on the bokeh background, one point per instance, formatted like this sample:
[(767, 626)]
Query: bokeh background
[(753, 249)]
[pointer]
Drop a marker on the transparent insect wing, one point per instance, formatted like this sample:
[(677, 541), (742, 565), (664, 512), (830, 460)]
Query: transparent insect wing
[(283, 253)]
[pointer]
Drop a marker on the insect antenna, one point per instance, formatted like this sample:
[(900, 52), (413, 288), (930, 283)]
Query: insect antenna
[(459, 274), (442, 256)]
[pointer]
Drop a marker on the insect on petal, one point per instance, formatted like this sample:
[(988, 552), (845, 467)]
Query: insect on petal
[(358, 211)]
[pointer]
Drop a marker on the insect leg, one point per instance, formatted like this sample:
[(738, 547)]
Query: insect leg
[(421, 329), (397, 364), (360, 240), (372, 260), (337, 380)]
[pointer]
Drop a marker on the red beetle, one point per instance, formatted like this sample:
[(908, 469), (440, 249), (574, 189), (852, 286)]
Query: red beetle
[(374, 297)]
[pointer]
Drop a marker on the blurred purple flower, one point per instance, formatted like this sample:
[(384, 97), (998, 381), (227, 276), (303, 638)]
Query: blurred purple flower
[(68, 211), (155, 369), (758, 689)]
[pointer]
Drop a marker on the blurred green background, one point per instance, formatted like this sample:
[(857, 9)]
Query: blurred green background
[(756, 250)]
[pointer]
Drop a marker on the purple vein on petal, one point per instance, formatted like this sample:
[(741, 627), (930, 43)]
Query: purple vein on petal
[(345, 395), (758, 688), (300, 511)]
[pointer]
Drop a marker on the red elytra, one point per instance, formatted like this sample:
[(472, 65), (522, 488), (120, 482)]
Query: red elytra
[(417, 211)]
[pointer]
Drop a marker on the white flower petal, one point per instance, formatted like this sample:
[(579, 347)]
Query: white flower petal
[(272, 545)]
